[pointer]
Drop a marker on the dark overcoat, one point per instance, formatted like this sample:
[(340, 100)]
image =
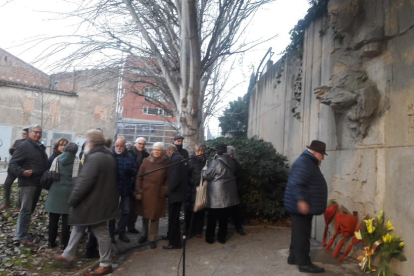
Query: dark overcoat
[(94, 197), (127, 170), (29, 156), (178, 179), (306, 183)]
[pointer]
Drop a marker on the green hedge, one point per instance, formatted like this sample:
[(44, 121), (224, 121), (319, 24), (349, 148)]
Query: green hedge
[(264, 177)]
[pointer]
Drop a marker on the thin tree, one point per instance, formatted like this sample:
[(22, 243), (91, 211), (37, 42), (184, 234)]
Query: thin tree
[(186, 39)]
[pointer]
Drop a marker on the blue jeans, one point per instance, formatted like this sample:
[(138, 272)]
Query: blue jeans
[(29, 195), (124, 205)]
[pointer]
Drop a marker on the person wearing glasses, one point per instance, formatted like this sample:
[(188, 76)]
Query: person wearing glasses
[(151, 191), (139, 153), (29, 162)]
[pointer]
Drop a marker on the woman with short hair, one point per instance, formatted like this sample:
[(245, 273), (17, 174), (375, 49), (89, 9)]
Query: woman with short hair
[(57, 150), (57, 203), (151, 191)]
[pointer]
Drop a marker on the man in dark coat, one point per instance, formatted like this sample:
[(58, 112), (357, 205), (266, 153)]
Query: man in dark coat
[(194, 222), (10, 176), (139, 153), (29, 162), (126, 174), (178, 142), (305, 196), (176, 195), (93, 201)]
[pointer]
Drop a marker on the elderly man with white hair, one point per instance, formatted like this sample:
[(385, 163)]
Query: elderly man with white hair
[(93, 201), (151, 191), (139, 153)]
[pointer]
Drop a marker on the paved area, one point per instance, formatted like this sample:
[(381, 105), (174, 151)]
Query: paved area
[(262, 252), (3, 174)]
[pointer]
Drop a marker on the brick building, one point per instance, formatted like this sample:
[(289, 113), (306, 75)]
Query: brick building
[(66, 105)]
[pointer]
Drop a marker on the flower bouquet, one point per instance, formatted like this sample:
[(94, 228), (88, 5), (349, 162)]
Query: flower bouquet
[(392, 248)]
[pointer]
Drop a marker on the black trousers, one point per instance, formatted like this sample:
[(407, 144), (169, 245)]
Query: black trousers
[(198, 220), (92, 244), (7, 189), (174, 231), (221, 215), (53, 229), (236, 217), (300, 243)]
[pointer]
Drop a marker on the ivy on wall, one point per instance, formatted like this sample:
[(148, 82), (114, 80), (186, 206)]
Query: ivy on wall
[(318, 9)]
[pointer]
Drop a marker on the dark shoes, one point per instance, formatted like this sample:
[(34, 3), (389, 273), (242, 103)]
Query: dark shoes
[(133, 231), (209, 240), (52, 244), (171, 247), (291, 260), (24, 242), (60, 258), (124, 238), (241, 232), (311, 269), (142, 240), (153, 244), (4, 206), (221, 240), (101, 271)]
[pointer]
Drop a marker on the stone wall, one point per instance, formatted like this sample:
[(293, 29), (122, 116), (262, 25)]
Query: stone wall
[(357, 84)]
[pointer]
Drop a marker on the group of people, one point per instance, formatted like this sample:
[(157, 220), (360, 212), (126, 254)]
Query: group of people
[(106, 180)]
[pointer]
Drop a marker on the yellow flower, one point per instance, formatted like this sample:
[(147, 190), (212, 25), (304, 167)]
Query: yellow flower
[(402, 244), (387, 238), (370, 227), (389, 226), (381, 216), (358, 235)]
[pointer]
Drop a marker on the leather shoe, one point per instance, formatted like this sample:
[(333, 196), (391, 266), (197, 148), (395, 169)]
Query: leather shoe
[(142, 240), (124, 238), (101, 270), (153, 244), (133, 231), (311, 269), (171, 247), (291, 261), (4, 206), (61, 259), (221, 240), (26, 242), (210, 240), (241, 232)]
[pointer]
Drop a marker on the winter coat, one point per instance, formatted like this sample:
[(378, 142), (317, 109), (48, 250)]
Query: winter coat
[(178, 180), (153, 187), (307, 183), (17, 143), (139, 157), (127, 169), (222, 186), (182, 151), (58, 198), (29, 156), (55, 154), (94, 197), (195, 166)]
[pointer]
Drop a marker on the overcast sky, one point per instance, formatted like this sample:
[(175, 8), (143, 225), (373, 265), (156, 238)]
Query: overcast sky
[(24, 19)]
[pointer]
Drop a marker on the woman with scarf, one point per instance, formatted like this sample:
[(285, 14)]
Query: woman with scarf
[(57, 150), (68, 165)]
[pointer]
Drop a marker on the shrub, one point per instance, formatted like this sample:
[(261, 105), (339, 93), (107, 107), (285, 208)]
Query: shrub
[(264, 177)]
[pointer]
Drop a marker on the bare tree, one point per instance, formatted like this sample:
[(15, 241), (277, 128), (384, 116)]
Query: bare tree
[(180, 43)]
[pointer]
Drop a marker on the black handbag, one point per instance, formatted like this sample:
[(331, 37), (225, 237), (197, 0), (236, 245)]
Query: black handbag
[(49, 176)]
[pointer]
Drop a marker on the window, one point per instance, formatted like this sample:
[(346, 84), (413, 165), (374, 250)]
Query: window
[(155, 111), (151, 94)]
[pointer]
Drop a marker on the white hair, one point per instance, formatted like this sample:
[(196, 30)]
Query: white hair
[(158, 145), (231, 151), (140, 138), (34, 126)]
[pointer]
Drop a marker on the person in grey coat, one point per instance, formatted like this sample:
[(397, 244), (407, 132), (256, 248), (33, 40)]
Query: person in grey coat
[(221, 193), (93, 201), (57, 202)]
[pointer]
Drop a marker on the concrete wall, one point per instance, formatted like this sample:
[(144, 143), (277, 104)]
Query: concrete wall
[(369, 166)]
